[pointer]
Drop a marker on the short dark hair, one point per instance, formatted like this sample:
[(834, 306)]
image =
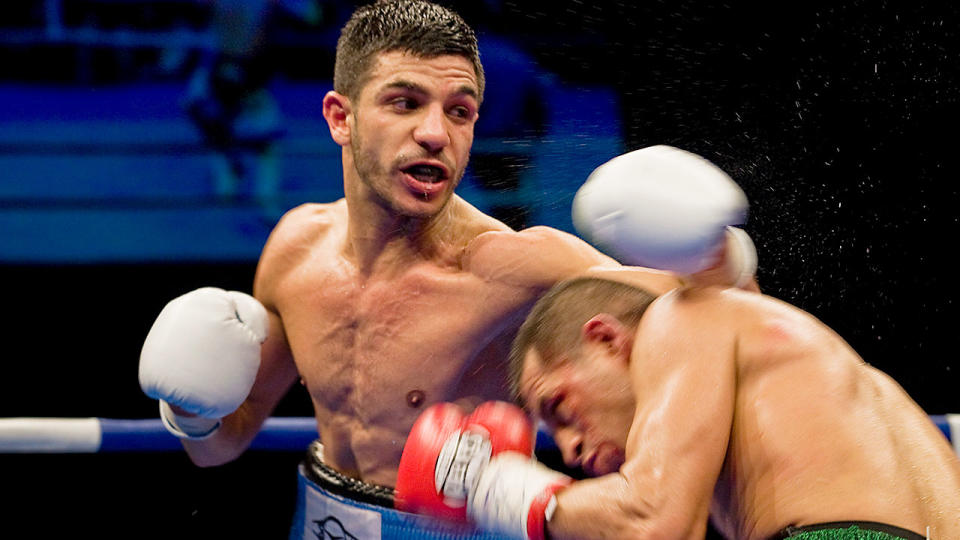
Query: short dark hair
[(418, 27), (553, 326)]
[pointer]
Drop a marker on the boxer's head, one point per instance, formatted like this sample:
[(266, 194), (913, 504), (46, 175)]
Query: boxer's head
[(569, 366), (407, 90), (415, 27)]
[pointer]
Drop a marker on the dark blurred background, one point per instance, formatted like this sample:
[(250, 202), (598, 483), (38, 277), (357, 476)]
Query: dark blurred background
[(147, 148)]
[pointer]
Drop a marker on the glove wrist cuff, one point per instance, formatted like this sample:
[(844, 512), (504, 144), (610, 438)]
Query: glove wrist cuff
[(743, 256), (542, 509), (195, 428)]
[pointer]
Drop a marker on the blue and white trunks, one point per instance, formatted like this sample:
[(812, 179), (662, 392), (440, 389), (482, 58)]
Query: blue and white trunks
[(330, 505)]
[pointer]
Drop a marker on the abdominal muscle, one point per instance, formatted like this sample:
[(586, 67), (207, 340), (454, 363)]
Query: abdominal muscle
[(374, 358)]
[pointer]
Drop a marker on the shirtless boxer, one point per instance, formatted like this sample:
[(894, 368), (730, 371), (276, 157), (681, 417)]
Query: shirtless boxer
[(401, 294), (709, 402)]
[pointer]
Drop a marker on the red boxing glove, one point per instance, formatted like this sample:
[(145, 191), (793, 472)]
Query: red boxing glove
[(447, 451), (506, 425)]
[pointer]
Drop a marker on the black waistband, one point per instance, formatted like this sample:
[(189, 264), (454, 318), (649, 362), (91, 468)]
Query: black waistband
[(333, 481), (865, 525)]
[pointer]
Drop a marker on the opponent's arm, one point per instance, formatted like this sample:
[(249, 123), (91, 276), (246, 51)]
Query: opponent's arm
[(479, 468), (684, 376), (683, 372)]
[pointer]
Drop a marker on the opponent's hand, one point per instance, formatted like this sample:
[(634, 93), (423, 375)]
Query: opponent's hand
[(467, 457), (665, 208), (201, 356), (516, 496)]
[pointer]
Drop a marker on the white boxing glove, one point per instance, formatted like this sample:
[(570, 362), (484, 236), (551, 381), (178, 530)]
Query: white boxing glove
[(665, 208), (515, 496), (202, 355)]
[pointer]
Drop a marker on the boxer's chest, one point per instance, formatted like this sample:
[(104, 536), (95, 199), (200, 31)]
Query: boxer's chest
[(377, 350)]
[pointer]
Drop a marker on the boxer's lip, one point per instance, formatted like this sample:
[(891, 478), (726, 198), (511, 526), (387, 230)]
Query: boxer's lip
[(425, 178), (427, 172), (588, 464)]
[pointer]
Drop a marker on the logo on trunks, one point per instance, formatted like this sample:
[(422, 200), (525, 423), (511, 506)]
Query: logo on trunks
[(330, 528)]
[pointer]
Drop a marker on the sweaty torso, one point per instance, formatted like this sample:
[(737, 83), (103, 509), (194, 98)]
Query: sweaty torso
[(820, 436), (375, 348)]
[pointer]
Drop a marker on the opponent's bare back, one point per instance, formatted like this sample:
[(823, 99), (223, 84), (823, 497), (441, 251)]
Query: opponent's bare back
[(815, 430)]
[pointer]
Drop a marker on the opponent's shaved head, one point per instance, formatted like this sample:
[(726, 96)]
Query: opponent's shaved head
[(553, 326)]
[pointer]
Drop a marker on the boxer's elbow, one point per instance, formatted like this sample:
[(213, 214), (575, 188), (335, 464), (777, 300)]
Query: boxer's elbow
[(646, 519), (226, 445), (656, 527), (207, 455)]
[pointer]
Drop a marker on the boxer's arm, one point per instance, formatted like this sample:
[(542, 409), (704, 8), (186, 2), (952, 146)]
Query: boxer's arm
[(277, 372), (539, 257), (684, 374), (276, 375), (665, 208)]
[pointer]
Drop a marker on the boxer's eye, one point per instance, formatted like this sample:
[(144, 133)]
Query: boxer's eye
[(548, 410)]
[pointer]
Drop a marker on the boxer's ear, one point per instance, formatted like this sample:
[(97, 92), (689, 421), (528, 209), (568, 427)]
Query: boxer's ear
[(336, 110), (606, 330)]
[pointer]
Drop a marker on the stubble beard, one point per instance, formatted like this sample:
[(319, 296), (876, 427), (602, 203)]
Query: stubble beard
[(377, 179)]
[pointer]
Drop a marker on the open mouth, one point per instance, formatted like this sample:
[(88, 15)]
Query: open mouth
[(425, 180), (427, 174)]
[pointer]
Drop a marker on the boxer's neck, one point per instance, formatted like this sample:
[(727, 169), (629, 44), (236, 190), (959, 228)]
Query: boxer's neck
[(378, 237)]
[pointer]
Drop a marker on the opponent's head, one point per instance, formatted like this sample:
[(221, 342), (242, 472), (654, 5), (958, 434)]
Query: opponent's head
[(407, 90), (416, 27), (569, 366)]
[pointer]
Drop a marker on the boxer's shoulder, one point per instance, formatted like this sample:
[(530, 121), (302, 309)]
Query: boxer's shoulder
[(304, 225), (312, 218), (297, 236), (537, 257)]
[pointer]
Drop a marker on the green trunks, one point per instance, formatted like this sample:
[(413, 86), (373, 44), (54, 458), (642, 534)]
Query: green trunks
[(848, 530)]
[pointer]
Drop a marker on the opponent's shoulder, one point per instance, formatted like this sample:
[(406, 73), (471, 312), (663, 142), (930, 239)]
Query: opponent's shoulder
[(536, 257), (688, 328), (714, 313), (700, 311), (300, 231)]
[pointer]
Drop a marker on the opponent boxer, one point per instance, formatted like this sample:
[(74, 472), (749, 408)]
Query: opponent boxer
[(402, 294), (707, 402)]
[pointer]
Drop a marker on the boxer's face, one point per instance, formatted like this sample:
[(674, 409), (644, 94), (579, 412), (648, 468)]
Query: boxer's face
[(588, 405), (412, 129)]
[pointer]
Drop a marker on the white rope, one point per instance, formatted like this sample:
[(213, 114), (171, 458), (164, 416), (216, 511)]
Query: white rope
[(49, 435)]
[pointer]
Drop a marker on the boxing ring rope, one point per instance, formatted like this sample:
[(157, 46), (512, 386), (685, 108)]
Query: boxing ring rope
[(279, 434)]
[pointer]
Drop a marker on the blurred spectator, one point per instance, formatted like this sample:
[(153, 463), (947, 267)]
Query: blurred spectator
[(229, 101)]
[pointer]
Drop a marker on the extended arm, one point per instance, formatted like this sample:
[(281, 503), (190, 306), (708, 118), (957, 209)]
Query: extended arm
[(665, 208)]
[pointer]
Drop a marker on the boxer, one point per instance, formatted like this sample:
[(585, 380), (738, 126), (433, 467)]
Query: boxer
[(713, 403), (402, 294)]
